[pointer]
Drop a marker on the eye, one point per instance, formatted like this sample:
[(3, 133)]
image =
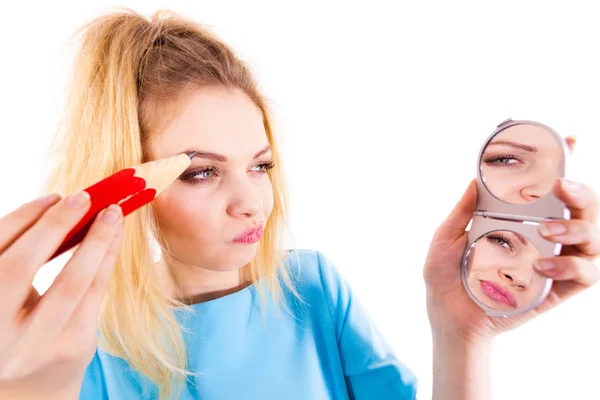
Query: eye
[(263, 167), (204, 175), (500, 240), (503, 160)]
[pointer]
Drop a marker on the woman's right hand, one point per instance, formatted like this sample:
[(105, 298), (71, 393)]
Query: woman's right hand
[(46, 342)]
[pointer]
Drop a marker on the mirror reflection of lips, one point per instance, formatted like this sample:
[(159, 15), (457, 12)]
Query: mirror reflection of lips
[(498, 293)]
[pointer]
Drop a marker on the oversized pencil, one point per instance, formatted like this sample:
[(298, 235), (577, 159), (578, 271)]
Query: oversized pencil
[(130, 188)]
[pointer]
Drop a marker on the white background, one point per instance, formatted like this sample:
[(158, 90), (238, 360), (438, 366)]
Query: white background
[(383, 107)]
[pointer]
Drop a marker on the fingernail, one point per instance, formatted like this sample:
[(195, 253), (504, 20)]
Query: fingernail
[(570, 186), (77, 200), (543, 265), (111, 214), (552, 228), (48, 200)]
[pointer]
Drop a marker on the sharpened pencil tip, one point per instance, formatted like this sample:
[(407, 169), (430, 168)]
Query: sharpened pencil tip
[(191, 154)]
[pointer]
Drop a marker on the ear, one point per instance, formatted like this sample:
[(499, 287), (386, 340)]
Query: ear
[(571, 140)]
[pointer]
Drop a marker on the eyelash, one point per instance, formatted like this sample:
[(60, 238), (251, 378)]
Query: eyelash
[(500, 240), (497, 161), (192, 175)]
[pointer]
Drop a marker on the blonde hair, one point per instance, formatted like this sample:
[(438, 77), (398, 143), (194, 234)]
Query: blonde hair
[(128, 67)]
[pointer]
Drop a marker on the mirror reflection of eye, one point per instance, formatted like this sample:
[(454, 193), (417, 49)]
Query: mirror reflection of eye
[(500, 240), (503, 160)]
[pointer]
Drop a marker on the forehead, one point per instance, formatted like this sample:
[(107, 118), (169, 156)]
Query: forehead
[(528, 134), (217, 120)]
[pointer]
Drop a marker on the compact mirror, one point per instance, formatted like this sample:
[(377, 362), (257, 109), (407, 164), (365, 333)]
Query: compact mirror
[(517, 167)]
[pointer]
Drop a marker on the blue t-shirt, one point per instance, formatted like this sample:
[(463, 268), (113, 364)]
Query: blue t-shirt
[(323, 348)]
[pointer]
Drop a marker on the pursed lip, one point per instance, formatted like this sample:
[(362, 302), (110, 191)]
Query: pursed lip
[(498, 293), (250, 235)]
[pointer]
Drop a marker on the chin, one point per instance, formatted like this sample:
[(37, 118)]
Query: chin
[(227, 258), (238, 256)]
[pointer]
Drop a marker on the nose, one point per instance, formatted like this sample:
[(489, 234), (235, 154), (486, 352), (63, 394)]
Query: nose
[(514, 278), (531, 193), (244, 200)]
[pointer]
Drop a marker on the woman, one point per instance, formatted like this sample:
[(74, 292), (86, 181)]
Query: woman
[(224, 313)]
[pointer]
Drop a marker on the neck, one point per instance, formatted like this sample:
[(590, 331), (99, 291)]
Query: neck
[(192, 284)]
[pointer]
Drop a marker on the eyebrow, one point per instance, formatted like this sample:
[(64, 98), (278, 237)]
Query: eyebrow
[(221, 158), (521, 146)]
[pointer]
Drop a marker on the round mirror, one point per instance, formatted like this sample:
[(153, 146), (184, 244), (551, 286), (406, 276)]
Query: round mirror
[(521, 163), (500, 273)]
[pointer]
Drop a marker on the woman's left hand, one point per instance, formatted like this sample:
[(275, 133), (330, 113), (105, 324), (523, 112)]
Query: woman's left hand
[(451, 310)]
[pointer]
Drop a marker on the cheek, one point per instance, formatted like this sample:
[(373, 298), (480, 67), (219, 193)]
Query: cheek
[(500, 180), (510, 178), (183, 212), (548, 170), (267, 196), (484, 259), (537, 286)]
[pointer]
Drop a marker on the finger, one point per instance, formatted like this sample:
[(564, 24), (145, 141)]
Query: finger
[(84, 320), (571, 140), (30, 301), (32, 298), (576, 232), (20, 262), (578, 270), (14, 224), (581, 200), (58, 303), (453, 228)]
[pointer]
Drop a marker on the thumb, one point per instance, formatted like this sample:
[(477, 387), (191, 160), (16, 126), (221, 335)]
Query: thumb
[(453, 228)]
